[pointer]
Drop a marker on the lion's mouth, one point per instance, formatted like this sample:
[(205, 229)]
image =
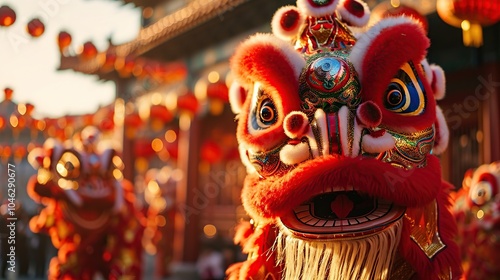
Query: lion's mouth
[(91, 219), (341, 214)]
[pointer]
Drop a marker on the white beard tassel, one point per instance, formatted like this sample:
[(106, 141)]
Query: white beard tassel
[(368, 257)]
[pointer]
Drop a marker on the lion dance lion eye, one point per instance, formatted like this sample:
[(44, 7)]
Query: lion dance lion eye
[(484, 190), (405, 95), (265, 114), (394, 99), (68, 166)]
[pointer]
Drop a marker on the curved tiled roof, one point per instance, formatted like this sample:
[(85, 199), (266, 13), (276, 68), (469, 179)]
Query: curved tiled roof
[(186, 18)]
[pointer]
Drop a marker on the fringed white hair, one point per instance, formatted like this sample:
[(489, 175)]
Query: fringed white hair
[(354, 12), (315, 10), (294, 154), (427, 70), (378, 144), (443, 132), (237, 96), (438, 82), (287, 22), (367, 257)]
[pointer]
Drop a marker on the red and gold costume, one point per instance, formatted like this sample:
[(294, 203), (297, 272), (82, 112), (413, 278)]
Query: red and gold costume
[(339, 135), (89, 210), (477, 210)]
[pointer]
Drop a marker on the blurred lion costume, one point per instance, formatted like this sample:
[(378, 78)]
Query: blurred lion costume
[(89, 211), (477, 211), (339, 135)]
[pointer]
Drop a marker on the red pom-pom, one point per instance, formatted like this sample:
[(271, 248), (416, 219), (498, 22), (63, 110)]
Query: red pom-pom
[(369, 114), (295, 124), (355, 8), (287, 22)]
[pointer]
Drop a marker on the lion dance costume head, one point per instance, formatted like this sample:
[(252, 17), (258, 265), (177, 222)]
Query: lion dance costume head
[(477, 211), (89, 209), (339, 135)]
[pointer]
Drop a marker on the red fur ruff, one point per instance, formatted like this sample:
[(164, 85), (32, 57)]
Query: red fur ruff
[(275, 196)]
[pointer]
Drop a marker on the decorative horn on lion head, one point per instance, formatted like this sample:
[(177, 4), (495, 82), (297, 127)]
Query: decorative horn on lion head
[(338, 135)]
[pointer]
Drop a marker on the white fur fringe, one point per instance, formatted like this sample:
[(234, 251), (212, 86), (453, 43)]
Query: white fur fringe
[(355, 258)]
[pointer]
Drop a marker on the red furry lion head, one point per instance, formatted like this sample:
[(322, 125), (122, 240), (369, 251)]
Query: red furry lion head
[(338, 135)]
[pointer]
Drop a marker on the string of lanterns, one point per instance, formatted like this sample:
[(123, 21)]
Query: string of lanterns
[(125, 66), (21, 126), (396, 8), (21, 121), (34, 27)]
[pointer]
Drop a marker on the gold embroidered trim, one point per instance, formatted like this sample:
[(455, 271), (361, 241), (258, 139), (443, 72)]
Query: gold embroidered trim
[(424, 230)]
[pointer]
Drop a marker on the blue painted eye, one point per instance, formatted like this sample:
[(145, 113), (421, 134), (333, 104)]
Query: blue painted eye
[(406, 94)]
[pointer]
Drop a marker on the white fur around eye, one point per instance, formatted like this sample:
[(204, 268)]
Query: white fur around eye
[(253, 107), (236, 97)]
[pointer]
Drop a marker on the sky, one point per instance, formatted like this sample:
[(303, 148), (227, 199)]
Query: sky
[(29, 65)]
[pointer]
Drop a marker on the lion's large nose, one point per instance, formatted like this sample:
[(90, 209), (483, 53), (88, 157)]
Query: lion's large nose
[(323, 134), (335, 133)]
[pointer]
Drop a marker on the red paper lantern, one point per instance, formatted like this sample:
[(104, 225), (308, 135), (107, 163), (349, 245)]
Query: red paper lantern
[(109, 61), (106, 125), (219, 91), (6, 152), (386, 9), (483, 12), (133, 120), (29, 109), (173, 149), (471, 16), (173, 72), (8, 93), (35, 27), (70, 121), (161, 113), (19, 151), (125, 66), (21, 122), (3, 123), (132, 123), (88, 119), (89, 50), (63, 40), (188, 103), (211, 152), (142, 148), (38, 124), (7, 16)]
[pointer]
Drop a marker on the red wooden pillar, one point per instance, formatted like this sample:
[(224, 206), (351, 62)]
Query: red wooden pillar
[(186, 233)]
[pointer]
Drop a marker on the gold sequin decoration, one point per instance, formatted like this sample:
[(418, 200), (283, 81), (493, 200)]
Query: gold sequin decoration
[(410, 149), (401, 269), (424, 230)]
